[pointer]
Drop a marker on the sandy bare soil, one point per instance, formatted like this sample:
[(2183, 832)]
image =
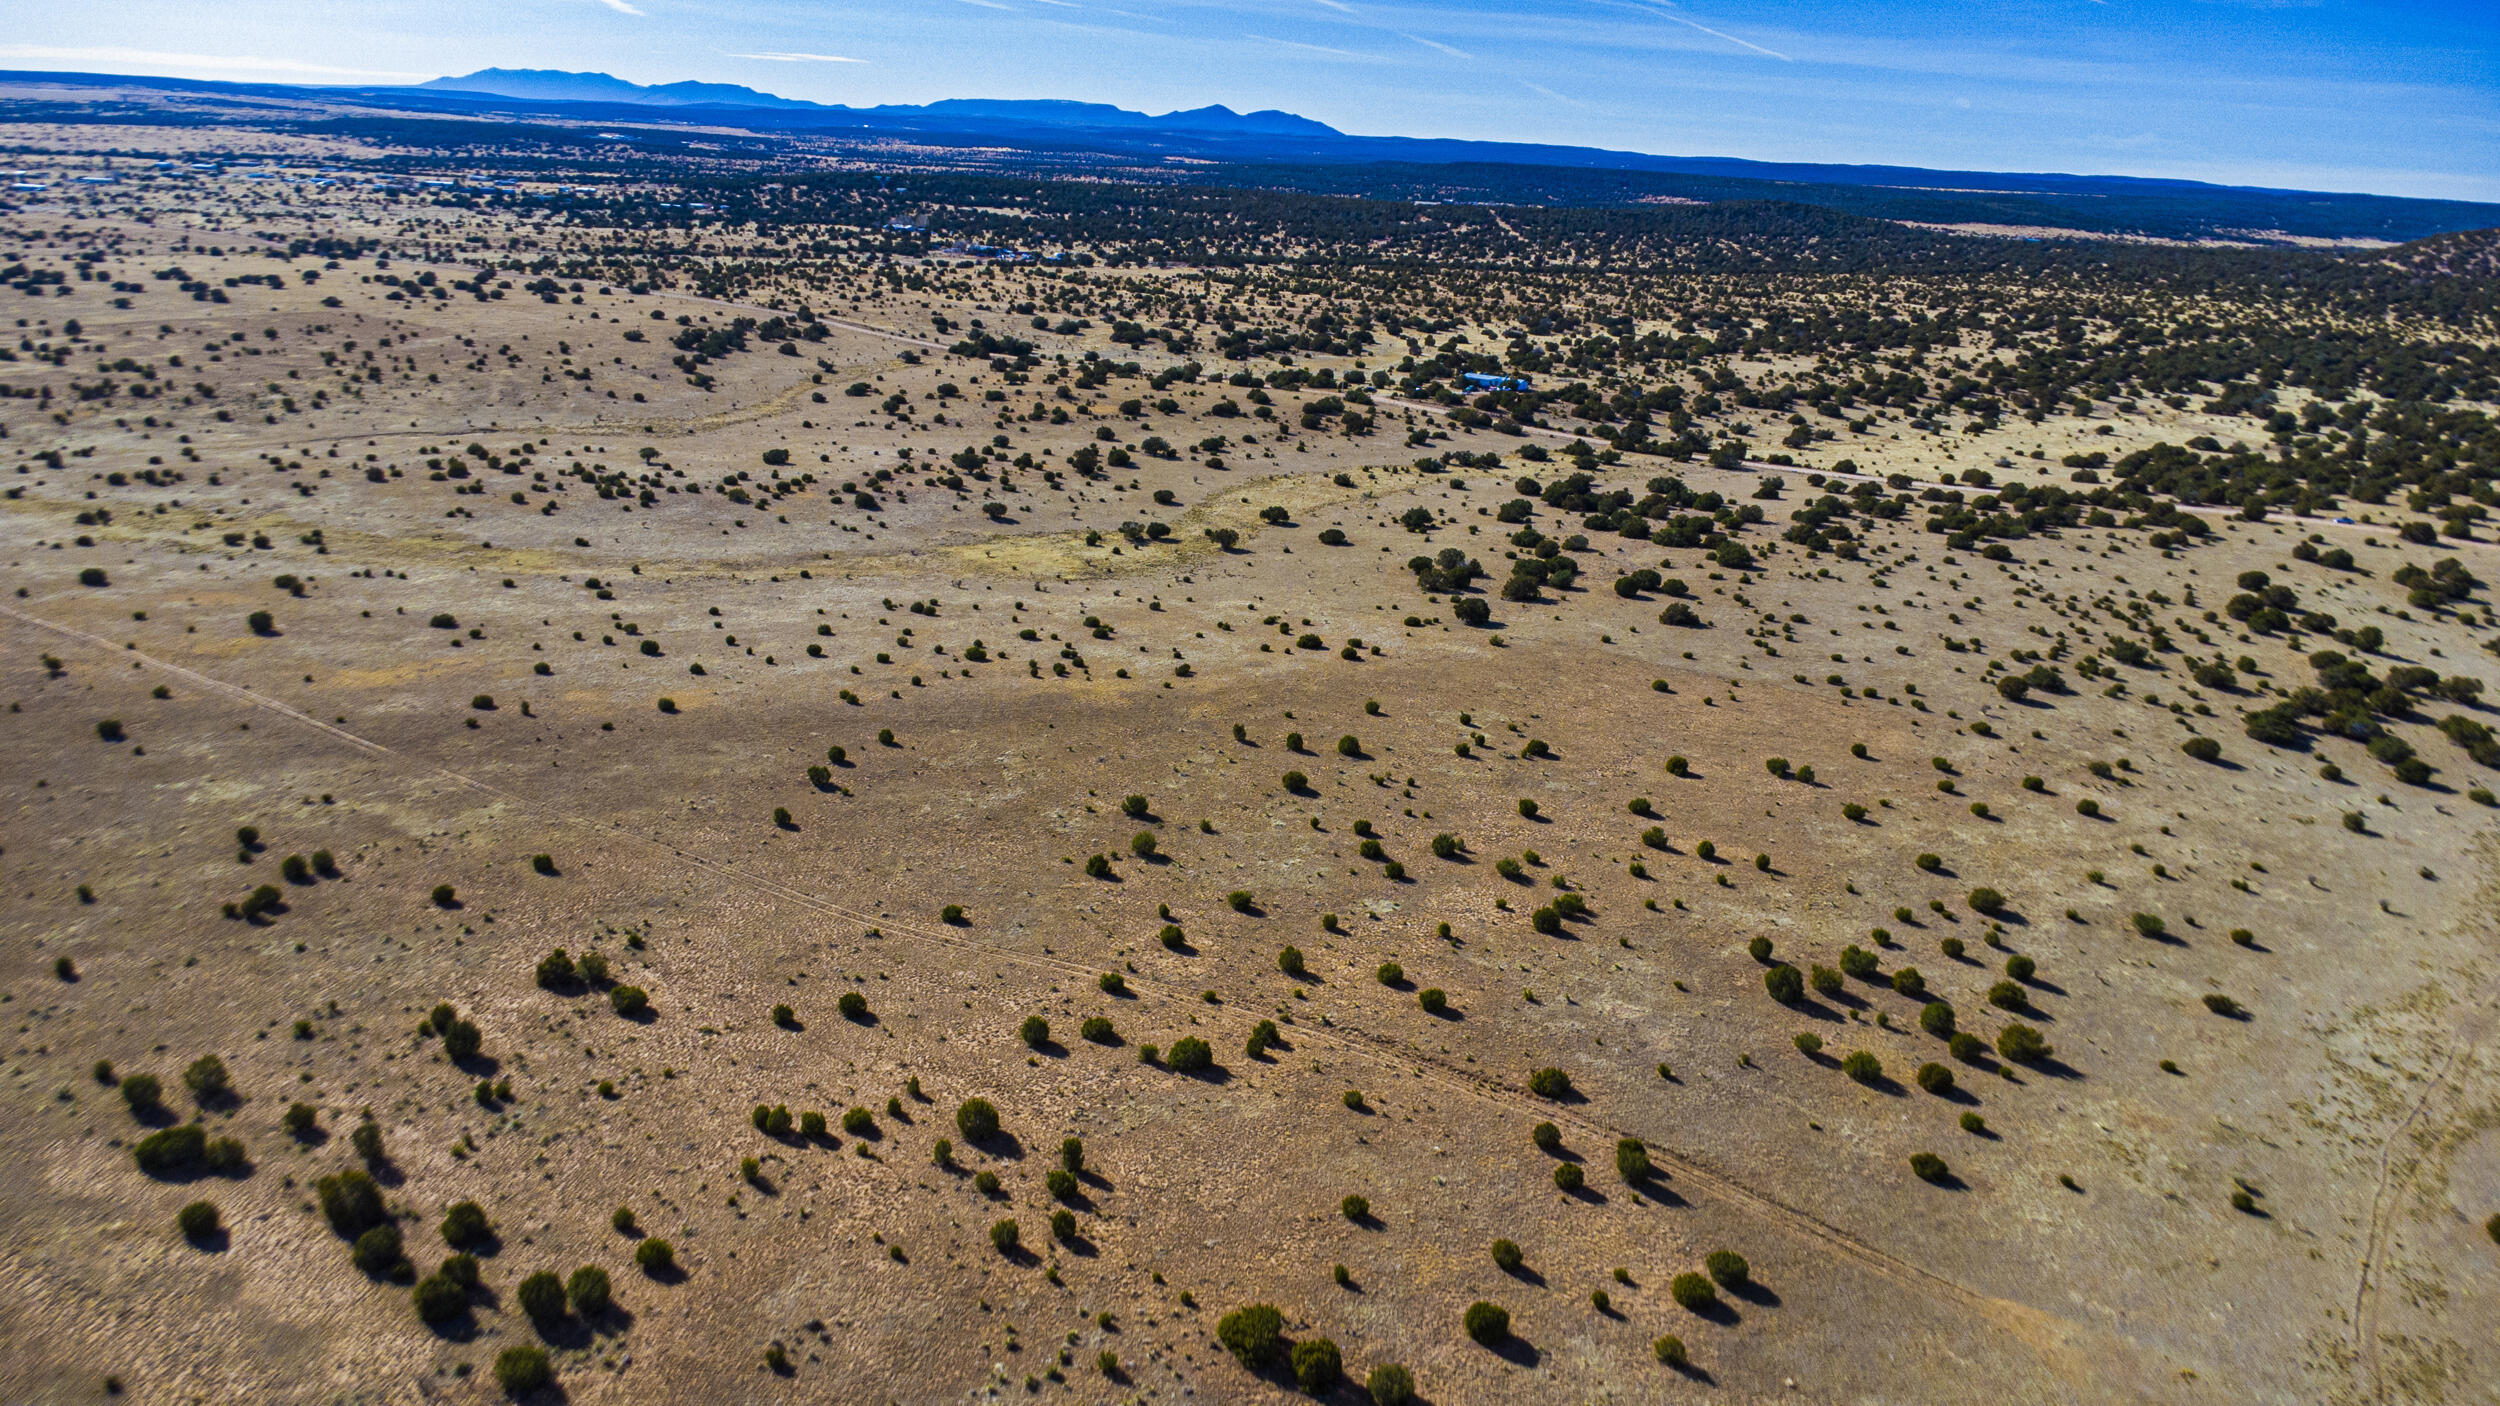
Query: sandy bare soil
[(631, 671)]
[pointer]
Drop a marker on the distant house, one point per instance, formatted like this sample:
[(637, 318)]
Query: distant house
[(993, 252), (1485, 381)]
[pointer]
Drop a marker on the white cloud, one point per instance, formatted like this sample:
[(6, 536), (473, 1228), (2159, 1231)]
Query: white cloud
[(797, 58), (1435, 44), (620, 7), (1340, 5), (1664, 9), (1732, 39), (134, 60), (1308, 48)]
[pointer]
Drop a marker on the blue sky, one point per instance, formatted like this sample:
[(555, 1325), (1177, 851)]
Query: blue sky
[(2402, 99)]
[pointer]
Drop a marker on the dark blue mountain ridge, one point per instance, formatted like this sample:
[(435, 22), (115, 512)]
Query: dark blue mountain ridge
[(556, 85)]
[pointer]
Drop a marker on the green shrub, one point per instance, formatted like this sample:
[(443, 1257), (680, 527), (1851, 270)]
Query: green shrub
[(630, 1002), (1670, 1351), (1966, 1047), (225, 1156), (1190, 1055), (858, 1122), (1238, 900), (541, 1296), (200, 1220), (1316, 1366), (1785, 983), (655, 1256), (1098, 1030), (524, 1369), (1986, 902), (2022, 1044), (440, 1300), (1506, 1256), (1929, 1167), (1487, 1323), (1568, 1177), (144, 1094), (1862, 1066), (1433, 1000), (1547, 1137), (1550, 1083), (852, 1005), (976, 1120), (1253, 1334), (555, 970), (1728, 1268), (208, 1080), (465, 1226), (171, 1151), (1935, 1079), (351, 1201), (1809, 1044), (377, 1252), (1391, 1385), (1693, 1293), (1035, 1031), (1289, 961), (1354, 1208)]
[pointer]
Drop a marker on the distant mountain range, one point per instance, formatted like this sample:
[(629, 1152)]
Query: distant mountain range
[(1279, 150), (555, 85)]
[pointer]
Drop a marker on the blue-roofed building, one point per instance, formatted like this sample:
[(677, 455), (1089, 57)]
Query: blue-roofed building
[(1486, 381)]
